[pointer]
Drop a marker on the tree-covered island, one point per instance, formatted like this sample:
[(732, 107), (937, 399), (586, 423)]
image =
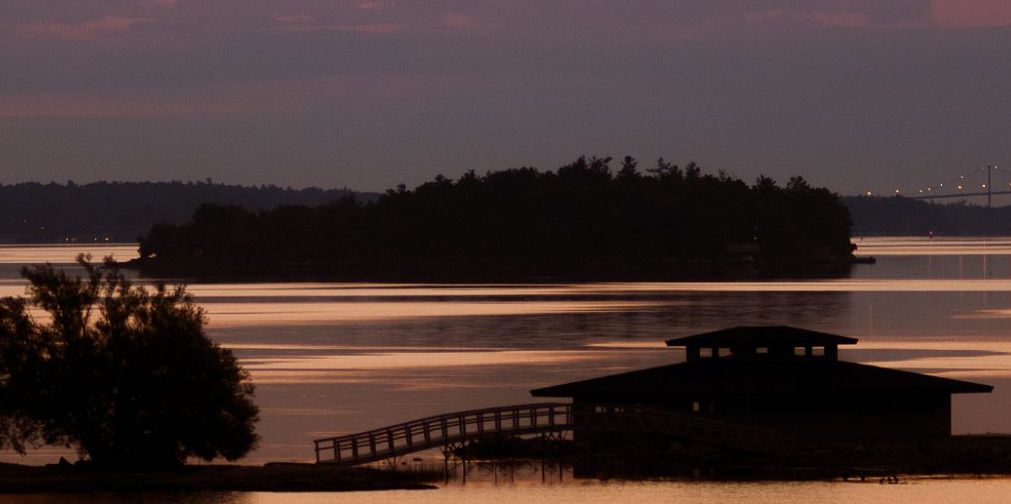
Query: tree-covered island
[(583, 221)]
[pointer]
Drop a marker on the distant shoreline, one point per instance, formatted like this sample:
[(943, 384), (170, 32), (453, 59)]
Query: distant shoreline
[(697, 271), (275, 477)]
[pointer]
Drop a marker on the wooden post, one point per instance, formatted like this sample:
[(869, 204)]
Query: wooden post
[(372, 443), (480, 423), (389, 439), (354, 449), (428, 433)]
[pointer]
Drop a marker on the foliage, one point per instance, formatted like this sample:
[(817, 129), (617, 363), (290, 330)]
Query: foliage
[(122, 211), (124, 374), (898, 216), (579, 221)]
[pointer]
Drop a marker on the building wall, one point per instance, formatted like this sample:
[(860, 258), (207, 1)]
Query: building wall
[(844, 418), (825, 418)]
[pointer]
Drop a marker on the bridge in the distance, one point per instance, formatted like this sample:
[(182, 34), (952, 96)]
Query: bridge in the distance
[(987, 181), (452, 430)]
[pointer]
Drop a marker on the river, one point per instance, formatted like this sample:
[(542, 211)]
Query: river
[(331, 358)]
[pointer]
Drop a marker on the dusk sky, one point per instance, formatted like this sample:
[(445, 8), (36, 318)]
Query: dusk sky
[(852, 94)]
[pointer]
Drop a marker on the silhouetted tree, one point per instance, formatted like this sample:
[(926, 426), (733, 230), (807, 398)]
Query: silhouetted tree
[(125, 375)]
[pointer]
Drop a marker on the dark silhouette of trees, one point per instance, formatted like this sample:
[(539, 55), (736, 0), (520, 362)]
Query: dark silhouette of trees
[(898, 216), (580, 221), (125, 375), (123, 211)]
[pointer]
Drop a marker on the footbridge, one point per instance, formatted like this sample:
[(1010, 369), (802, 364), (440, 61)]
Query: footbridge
[(453, 429)]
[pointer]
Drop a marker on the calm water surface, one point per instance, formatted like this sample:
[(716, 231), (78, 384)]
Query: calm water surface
[(332, 358)]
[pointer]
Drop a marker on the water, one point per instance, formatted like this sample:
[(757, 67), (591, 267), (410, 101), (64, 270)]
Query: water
[(331, 358), (976, 491)]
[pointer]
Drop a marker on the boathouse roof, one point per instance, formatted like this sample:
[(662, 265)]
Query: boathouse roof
[(745, 336), (797, 378), (759, 361)]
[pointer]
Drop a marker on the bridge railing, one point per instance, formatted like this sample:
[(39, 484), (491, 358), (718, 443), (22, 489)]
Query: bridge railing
[(450, 428), (442, 429)]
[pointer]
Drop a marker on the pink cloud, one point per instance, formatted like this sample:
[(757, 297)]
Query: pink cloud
[(460, 22), (296, 22), (305, 23), (81, 105), (849, 18), (109, 25), (842, 19), (287, 96), (371, 5), (374, 28), (769, 16), (970, 13)]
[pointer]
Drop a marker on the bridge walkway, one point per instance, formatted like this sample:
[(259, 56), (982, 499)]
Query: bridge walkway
[(539, 418)]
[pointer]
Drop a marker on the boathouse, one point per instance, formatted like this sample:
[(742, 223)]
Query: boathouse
[(781, 378)]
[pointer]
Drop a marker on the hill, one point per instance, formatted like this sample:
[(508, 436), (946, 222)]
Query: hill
[(124, 211), (898, 216)]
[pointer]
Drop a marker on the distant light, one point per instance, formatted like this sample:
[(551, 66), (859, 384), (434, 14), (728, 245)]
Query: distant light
[(868, 193), (921, 191), (896, 191), (940, 185), (959, 188), (984, 186)]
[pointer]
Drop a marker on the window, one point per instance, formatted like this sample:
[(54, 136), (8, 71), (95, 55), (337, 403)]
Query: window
[(696, 406), (818, 351), (799, 351), (705, 353), (724, 352), (762, 350)]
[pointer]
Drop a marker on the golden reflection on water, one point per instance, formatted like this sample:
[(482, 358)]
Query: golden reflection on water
[(373, 354), (937, 246), (261, 368), (261, 313), (63, 254), (908, 491)]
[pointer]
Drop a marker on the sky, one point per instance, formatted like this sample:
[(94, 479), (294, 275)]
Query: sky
[(855, 95)]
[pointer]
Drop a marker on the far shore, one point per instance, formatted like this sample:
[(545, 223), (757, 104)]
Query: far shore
[(272, 477)]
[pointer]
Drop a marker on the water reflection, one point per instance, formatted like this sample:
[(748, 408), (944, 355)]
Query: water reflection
[(928, 491), (927, 246), (34, 254), (330, 358)]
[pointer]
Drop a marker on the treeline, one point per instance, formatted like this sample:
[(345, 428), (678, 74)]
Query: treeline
[(898, 216), (123, 211), (581, 221)]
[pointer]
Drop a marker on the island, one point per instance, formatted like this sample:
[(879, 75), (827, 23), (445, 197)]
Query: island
[(583, 221)]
